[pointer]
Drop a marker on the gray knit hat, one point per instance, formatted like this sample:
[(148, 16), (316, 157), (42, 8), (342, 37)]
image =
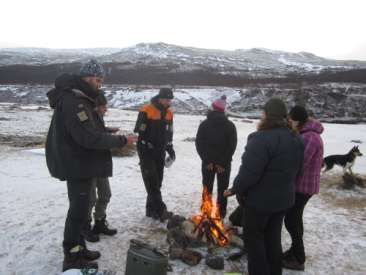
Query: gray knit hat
[(275, 108), (92, 68)]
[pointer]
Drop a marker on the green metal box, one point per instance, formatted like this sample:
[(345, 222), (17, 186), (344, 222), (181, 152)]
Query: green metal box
[(145, 260)]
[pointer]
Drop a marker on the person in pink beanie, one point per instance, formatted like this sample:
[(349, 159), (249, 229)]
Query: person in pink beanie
[(219, 104), (216, 143)]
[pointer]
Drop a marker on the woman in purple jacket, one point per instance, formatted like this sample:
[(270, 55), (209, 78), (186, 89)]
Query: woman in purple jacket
[(307, 184)]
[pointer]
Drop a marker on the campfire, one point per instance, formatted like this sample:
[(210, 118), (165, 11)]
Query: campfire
[(203, 230), (209, 223)]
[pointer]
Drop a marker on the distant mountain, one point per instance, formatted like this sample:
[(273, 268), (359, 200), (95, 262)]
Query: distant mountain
[(44, 56), (227, 62), (160, 63)]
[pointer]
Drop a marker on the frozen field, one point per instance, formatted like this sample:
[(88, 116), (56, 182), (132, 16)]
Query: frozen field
[(33, 205)]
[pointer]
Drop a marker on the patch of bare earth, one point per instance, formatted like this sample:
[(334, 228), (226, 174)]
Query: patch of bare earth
[(346, 191)]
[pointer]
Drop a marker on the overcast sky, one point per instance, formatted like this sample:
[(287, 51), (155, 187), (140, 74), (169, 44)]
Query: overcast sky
[(329, 28)]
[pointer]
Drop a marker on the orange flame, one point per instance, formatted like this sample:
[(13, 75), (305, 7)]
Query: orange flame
[(209, 209)]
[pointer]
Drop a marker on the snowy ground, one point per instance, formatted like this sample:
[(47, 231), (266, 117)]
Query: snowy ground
[(33, 205)]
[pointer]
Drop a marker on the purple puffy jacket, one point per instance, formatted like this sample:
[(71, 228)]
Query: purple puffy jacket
[(309, 180)]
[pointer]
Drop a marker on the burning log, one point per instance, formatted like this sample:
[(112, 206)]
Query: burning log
[(207, 232), (209, 222), (222, 235)]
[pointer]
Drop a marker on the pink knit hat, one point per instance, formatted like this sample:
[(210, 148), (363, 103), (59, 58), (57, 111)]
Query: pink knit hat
[(219, 104)]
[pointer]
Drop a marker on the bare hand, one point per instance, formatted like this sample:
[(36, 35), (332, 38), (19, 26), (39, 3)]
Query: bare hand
[(228, 193), (131, 138), (220, 169), (210, 167)]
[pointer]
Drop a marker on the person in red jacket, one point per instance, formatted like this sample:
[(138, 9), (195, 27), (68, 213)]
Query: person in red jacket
[(307, 184)]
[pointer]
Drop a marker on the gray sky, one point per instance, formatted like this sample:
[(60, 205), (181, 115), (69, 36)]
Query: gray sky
[(329, 28)]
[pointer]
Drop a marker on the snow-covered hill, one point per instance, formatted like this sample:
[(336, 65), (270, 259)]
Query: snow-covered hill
[(256, 62), (44, 56)]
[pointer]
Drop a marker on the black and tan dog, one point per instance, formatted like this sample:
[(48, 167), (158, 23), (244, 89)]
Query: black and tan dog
[(345, 161)]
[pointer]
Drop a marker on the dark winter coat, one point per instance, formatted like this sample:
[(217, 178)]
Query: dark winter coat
[(77, 146), (216, 139), (271, 161), (155, 128)]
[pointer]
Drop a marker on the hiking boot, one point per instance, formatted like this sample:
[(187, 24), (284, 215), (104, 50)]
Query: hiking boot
[(90, 255), (166, 215), (290, 262), (101, 227), (74, 259), (152, 214), (287, 254), (89, 234)]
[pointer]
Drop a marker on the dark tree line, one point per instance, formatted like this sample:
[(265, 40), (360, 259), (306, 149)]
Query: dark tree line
[(162, 75)]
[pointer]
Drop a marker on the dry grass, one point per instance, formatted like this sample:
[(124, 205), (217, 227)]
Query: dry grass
[(337, 190), (22, 141), (125, 151)]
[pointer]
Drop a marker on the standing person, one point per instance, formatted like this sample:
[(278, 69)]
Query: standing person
[(216, 141), (266, 181), (100, 186), (155, 128), (76, 151), (307, 184)]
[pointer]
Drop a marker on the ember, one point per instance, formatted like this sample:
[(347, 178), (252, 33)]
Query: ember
[(209, 222)]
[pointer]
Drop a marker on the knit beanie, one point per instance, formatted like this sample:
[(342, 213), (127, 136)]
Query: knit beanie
[(275, 108), (219, 104), (299, 113), (92, 68)]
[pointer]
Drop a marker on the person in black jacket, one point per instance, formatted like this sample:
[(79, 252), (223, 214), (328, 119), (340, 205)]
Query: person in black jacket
[(216, 141), (100, 186), (266, 181), (155, 128), (77, 151)]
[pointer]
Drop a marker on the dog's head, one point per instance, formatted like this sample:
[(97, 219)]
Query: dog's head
[(355, 151)]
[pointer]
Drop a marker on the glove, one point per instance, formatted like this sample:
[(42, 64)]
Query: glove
[(171, 152)]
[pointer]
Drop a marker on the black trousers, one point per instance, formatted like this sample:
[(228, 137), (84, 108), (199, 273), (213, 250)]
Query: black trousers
[(295, 227), (263, 241), (79, 195), (236, 217), (152, 169), (208, 178)]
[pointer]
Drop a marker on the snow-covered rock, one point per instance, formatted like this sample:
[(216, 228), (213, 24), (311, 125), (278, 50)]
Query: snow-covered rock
[(341, 101)]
